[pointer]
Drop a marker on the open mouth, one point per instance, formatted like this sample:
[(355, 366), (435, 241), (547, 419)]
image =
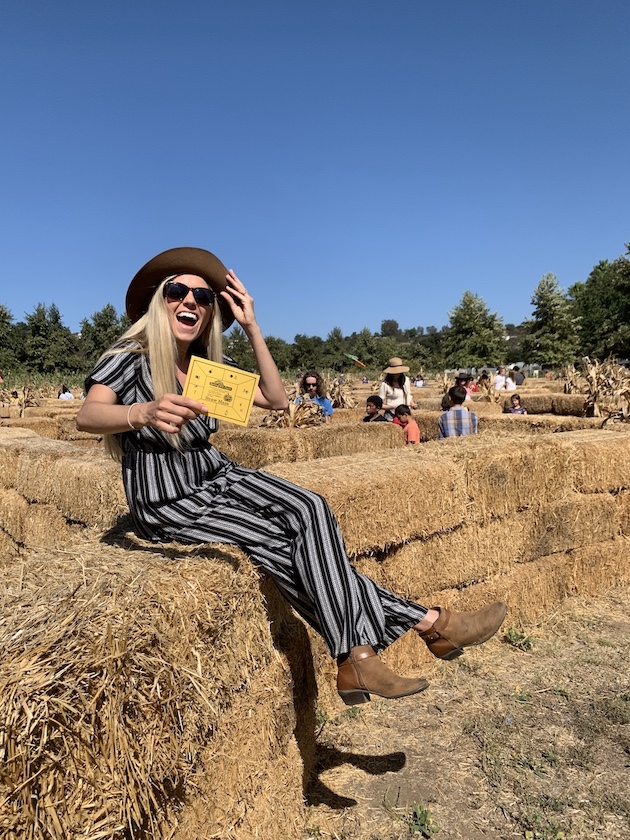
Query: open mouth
[(188, 319)]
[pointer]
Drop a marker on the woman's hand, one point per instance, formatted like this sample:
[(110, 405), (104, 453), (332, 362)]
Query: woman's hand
[(240, 301), (168, 414)]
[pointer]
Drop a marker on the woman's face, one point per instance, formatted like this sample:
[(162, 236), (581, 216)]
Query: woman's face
[(187, 317)]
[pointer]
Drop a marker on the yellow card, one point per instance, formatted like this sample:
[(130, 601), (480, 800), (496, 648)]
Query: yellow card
[(227, 392)]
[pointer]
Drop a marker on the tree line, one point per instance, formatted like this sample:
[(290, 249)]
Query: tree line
[(591, 318)]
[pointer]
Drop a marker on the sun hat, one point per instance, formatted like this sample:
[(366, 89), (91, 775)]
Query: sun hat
[(463, 375), (395, 365), (173, 262)]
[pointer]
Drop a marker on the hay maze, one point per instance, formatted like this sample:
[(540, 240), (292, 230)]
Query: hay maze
[(168, 692)]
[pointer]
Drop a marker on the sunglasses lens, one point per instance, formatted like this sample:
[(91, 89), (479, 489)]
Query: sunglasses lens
[(178, 291), (204, 297)]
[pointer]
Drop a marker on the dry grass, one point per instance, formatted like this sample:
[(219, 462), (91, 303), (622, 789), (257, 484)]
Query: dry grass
[(507, 740)]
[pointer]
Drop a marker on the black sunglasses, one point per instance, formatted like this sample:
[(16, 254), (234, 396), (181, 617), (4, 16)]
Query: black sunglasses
[(174, 290), (311, 384)]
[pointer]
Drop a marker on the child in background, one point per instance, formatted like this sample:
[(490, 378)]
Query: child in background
[(373, 407), (410, 427), (516, 407)]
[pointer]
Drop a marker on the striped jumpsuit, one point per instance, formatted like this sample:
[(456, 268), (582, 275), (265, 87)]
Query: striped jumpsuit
[(197, 495)]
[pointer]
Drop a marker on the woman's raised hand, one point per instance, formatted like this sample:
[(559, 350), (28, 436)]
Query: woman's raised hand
[(240, 301)]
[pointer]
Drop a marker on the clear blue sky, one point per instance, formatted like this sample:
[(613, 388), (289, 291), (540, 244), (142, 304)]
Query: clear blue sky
[(352, 161)]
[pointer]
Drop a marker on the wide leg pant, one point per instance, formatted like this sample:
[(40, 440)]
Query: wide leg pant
[(294, 536)]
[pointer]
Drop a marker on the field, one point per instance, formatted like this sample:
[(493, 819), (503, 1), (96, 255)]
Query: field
[(528, 737), (169, 693)]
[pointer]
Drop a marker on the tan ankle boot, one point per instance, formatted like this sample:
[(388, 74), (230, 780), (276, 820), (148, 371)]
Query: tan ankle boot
[(362, 673), (453, 631)]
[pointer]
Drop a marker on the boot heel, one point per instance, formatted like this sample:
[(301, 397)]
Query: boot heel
[(354, 697), (448, 657)]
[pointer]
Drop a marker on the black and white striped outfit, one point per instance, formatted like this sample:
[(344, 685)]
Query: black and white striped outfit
[(197, 495)]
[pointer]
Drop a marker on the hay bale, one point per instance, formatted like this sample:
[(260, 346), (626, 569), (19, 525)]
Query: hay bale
[(44, 426), (532, 592), (10, 449), (85, 487), (536, 424), (118, 670), (600, 460), (574, 404), (622, 502), (475, 552), (364, 492), (258, 447), (32, 525), (539, 403), (9, 549), (502, 478)]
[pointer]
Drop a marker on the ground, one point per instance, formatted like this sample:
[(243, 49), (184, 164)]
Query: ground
[(527, 736)]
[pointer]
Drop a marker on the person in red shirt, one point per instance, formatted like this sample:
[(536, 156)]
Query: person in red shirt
[(410, 427)]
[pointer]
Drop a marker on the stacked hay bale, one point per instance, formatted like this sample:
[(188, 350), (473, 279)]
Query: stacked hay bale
[(169, 693)]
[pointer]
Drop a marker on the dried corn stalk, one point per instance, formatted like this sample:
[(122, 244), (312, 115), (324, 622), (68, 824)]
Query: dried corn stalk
[(341, 394), (573, 382), (305, 413), (607, 390)]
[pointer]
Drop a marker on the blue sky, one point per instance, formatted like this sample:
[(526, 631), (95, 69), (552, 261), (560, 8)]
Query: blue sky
[(351, 161)]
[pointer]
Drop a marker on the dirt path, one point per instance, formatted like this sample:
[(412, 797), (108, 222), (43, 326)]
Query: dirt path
[(522, 739)]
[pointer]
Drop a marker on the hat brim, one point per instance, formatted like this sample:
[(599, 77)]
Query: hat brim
[(176, 261), (397, 369)]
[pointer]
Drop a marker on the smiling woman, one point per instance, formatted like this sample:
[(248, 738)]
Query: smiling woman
[(179, 487)]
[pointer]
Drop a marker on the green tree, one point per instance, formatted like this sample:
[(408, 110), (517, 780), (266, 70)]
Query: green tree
[(281, 352), (99, 332), (308, 352), (51, 348), (236, 345), (552, 338), (390, 328), (602, 305), (333, 351), (476, 336), (365, 346), (8, 357)]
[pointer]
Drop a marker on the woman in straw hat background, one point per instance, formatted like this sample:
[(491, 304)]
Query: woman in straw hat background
[(395, 389), (179, 487)]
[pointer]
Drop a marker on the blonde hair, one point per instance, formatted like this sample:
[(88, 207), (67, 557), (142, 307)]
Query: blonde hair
[(152, 335)]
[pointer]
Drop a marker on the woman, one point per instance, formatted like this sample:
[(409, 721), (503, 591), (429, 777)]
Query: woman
[(313, 387), (179, 487), (395, 389)]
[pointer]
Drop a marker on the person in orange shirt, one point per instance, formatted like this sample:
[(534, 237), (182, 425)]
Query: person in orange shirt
[(410, 427)]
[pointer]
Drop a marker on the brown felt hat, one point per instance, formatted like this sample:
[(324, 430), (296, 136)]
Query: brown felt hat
[(173, 262), (395, 365)]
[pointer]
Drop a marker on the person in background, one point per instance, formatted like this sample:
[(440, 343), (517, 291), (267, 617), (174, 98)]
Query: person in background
[(483, 383), (462, 379), (515, 405), (410, 427), (395, 389), (65, 393), (180, 487), (312, 386), (519, 376), (457, 421), (503, 381), (373, 406)]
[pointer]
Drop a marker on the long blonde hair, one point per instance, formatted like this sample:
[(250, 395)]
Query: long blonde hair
[(152, 335)]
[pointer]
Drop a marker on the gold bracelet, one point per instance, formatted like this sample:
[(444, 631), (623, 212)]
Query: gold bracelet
[(129, 423)]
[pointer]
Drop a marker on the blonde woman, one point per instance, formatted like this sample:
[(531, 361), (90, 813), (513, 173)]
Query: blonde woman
[(179, 487)]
